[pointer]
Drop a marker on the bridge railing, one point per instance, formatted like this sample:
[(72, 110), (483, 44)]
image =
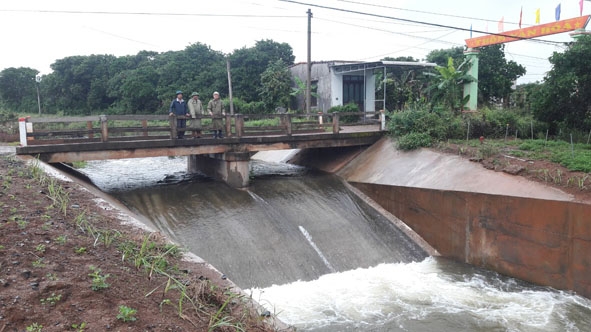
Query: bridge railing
[(104, 128)]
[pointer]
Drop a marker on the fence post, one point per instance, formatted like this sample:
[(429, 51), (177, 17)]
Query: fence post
[(104, 128), (335, 123), (382, 120), (288, 124), (89, 128), (239, 125), (145, 126), (320, 120), (228, 125), (172, 120), (22, 129)]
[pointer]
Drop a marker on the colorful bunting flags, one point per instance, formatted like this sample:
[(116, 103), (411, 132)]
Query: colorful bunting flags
[(581, 7), (501, 27), (538, 16), (557, 12), (520, 16)]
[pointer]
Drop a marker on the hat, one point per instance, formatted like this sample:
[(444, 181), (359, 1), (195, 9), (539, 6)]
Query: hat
[(194, 94), (178, 92), (216, 93)]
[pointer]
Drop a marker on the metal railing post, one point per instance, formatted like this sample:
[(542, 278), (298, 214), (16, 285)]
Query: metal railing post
[(382, 120)]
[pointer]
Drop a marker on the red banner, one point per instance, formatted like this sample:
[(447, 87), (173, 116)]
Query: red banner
[(531, 32)]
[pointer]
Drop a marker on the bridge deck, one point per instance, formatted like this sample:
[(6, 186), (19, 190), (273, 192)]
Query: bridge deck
[(97, 150)]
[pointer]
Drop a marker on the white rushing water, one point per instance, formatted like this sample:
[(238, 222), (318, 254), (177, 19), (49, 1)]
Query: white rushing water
[(421, 296), (433, 295)]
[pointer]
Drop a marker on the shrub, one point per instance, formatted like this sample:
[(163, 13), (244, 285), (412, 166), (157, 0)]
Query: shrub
[(242, 107), (348, 108), (414, 141), (431, 124)]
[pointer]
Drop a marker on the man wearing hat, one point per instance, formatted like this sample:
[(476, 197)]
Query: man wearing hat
[(178, 107), (196, 110), (215, 108)]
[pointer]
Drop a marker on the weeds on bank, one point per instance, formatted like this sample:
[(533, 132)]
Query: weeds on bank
[(79, 327), (34, 328), (149, 255), (51, 300), (126, 314), (99, 281)]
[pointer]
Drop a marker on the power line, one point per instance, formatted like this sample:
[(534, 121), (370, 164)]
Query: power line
[(143, 13), (413, 21), (421, 11)]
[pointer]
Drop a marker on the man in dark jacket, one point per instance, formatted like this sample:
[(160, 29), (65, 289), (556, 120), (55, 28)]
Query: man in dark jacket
[(178, 107)]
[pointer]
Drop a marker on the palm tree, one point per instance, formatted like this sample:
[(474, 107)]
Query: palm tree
[(448, 87)]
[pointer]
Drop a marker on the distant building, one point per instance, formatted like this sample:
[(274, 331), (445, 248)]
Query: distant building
[(341, 82)]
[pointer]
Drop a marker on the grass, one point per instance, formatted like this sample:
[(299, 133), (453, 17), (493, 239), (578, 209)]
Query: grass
[(576, 157)]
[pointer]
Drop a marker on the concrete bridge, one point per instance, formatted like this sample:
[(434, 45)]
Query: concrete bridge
[(71, 139)]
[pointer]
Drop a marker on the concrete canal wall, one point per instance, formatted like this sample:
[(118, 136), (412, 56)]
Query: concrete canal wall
[(493, 220)]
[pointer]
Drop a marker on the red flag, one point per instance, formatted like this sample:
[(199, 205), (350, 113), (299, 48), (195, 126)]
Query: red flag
[(581, 6), (520, 16), (501, 28)]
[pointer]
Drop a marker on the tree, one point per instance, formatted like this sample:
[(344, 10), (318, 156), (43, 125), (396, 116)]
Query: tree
[(300, 89), (275, 85), (403, 85), (79, 83), (496, 75), (564, 98), (448, 86), (17, 89), (440, 57), (249, 63)]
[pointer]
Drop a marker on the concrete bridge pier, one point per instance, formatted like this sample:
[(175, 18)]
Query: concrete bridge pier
[(231, 167)]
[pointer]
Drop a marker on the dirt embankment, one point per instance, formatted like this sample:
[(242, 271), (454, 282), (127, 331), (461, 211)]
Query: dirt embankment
[(69, 263)]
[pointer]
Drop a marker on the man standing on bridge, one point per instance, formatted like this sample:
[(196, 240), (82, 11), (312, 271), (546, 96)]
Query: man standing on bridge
[(196, 109), (215, 108), (178, 107)]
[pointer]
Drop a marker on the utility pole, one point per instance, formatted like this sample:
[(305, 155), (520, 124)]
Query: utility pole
[(38, 80), (309, 69), (230, 86)]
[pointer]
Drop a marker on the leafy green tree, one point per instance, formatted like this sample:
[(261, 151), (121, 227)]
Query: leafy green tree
[(564, 98), (275, 85), (17, 89), (440, 57), (249, 63), (447, 87), (79, 83), (135, 91), (403, 85), (496, 75)]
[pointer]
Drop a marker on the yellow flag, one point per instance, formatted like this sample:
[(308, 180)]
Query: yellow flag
[(538, 16)]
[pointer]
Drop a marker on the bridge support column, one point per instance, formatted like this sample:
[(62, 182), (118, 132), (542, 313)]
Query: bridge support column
[(230, 167)]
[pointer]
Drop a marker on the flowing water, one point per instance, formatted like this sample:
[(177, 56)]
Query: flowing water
[(316, 255)]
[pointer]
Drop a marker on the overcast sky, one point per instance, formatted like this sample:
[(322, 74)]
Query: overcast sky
[(35, 33)]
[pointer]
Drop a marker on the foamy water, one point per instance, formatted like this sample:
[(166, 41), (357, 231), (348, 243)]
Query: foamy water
[(422, 296)]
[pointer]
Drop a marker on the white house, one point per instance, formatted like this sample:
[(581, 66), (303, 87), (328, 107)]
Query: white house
[(341, 82)]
